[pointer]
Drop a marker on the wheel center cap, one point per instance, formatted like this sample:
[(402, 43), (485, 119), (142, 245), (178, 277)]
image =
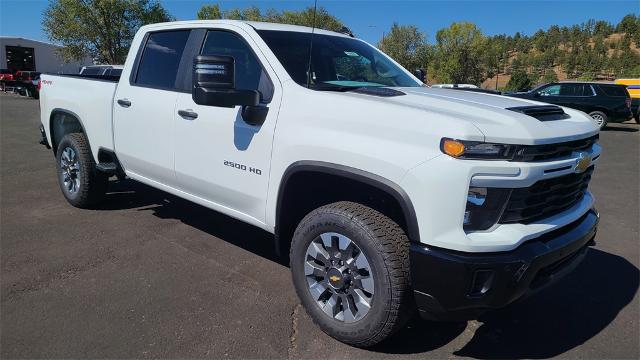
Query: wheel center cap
[(336, 279)]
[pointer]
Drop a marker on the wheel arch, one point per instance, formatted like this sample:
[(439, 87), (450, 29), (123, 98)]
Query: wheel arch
[(62, 122), (370, 189)]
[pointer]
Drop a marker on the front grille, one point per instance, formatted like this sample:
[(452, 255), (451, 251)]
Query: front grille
[(552, 151), (545, 198)]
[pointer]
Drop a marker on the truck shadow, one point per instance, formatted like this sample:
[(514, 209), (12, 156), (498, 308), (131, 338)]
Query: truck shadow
[(550, 323), (129, 194)]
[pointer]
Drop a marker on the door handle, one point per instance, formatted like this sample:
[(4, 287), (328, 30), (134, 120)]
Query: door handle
[(124, 102), (188, 114)]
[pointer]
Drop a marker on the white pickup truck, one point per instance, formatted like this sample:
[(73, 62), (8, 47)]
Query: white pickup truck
[(387, 196)]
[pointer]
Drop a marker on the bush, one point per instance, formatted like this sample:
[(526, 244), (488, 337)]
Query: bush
[(520, 81)]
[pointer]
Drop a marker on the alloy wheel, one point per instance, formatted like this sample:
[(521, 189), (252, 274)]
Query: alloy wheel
[(339, 277), (70, 170)]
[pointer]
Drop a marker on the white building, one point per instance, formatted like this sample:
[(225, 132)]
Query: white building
[(31, 55)]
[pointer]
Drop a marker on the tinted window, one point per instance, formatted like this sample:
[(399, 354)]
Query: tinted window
[(249, 74), (115, 72), (161, 58), (614, 90), (91, 71), (572, 89), (5, 71)]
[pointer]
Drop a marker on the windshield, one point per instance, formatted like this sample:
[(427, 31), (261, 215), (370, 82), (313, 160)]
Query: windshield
[(337, 63)]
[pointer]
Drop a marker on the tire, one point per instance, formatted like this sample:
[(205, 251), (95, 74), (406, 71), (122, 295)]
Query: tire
[(600, 118), (81, 184), (637, 117), (386, 252)]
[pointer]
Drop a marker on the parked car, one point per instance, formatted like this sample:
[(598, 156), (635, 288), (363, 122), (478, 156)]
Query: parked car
[(101, 70), (386, 195), (605, 103), (26, 75), (6, 75), (32, 88), (26, 83), (633, 87)]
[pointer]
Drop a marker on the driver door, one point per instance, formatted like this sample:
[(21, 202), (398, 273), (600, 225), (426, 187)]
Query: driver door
[(219, 157)]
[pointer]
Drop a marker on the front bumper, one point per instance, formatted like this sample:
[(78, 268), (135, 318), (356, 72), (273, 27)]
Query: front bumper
[(450, 285)]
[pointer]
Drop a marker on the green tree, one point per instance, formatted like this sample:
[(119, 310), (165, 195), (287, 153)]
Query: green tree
[(209, 12), (519, 81), (101, 29), (406, 45), (304, 17), (459, 53)]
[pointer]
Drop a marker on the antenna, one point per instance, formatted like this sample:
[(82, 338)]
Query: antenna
[(313, 28)]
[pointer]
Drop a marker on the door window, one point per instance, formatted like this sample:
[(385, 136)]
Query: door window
[(160, 60), (553, 90), (572, 90), (249, 74)]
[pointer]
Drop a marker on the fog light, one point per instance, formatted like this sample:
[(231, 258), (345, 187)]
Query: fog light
[(484, 207)]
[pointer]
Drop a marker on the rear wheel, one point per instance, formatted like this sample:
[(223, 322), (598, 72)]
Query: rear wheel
[(81, 184), (600, 118), (350, 268)]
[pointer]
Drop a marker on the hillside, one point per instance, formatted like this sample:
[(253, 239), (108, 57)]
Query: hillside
[(611, 42)]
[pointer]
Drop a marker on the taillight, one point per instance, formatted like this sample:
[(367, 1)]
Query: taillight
[(39, 84)]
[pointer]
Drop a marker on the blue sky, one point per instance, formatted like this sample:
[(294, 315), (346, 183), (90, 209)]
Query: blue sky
[(369, 19)]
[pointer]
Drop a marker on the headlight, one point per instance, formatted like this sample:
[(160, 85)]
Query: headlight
[(484, 207), (476, 150)]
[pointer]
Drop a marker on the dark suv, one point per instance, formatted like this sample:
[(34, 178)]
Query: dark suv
[(605, 103)]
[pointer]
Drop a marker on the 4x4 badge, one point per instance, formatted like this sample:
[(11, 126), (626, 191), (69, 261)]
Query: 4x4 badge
[(583, 162)]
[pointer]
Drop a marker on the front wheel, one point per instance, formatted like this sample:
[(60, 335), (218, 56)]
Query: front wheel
[(81, 183), (350, 269), (600, 118)]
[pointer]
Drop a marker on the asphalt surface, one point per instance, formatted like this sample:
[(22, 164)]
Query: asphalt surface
[(149, 275)]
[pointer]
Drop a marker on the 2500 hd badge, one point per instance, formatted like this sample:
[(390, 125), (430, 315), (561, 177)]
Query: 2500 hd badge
[(243, 167)]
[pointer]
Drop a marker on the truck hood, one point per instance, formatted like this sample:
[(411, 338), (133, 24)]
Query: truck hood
[(489, 113)]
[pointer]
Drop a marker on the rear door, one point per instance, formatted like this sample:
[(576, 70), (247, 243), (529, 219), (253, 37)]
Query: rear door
[(219, 157), (144, 106), (577, 96)]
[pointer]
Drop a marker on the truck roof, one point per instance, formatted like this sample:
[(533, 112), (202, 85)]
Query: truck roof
[(254, 24)]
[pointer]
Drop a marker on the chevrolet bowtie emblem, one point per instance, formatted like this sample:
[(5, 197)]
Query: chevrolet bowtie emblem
[(334, 278), (583, 162)]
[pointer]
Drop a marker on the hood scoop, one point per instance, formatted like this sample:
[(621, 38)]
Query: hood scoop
[(379, 91), (542, 112)]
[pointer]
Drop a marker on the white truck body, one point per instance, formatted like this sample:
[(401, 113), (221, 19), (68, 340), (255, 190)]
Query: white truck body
[(220, 161)]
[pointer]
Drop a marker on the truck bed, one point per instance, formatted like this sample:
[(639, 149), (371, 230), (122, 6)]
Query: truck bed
[(87, 97)]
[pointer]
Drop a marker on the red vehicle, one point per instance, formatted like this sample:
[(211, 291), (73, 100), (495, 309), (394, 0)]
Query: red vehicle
[(26, 75), (6, 75)]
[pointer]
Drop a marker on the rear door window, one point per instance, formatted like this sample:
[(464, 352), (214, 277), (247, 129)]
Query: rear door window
[(160, 59), (572, 89)]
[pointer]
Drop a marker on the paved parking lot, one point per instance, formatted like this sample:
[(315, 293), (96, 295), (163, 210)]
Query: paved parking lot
[(150, 275)]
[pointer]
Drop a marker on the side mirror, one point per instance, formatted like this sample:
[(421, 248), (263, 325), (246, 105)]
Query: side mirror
[(420, 74), (214, 85)]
